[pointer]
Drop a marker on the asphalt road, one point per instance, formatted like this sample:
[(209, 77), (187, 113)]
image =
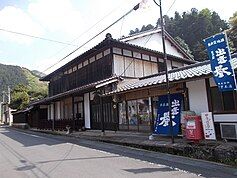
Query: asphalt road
[(30, 154)]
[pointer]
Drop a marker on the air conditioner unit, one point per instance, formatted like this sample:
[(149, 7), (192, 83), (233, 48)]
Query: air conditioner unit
[(228, 130)]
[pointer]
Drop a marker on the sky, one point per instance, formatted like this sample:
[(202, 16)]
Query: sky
[(76, 21)]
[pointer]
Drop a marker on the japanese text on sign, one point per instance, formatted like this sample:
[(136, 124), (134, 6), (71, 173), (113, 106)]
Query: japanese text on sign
[(163, 119), (219, 55)]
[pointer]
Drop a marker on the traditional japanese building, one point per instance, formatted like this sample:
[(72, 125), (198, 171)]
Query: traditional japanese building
[(78, 89), (137, 101), (116, 85)]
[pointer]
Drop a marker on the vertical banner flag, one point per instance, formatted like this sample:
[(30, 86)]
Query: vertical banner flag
[(162, 125), (219, 55)]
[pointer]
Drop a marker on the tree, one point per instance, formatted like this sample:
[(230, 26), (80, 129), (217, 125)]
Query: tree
[(183, 45), (195, 26), (232, 32), (192, 27), (144, 28), (134, 31), (19, 97)]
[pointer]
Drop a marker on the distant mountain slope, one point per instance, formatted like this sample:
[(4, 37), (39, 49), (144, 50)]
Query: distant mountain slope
[(38, 73), (12, 75)]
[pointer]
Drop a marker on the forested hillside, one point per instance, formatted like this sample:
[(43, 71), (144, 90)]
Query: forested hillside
[(190, 28), (15, 76), (11, 76)]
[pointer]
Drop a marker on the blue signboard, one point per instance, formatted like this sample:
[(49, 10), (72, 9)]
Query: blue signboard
[(219, 55), (162, 125)]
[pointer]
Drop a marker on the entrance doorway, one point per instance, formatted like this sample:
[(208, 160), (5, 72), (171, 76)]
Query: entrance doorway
[(79, 113)]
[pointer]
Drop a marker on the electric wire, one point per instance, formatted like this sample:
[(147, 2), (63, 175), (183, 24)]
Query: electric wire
[(134, 8), (170, 7), (37, 37), (147, 39), (121, 27), (86, 31)]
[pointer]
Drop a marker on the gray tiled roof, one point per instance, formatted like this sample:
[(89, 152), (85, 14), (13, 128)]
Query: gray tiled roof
[(75, 90), (201, 69), (106, 41)]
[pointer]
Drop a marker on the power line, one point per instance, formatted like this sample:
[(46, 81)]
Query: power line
[(170, 7), (134, 8), (37, 37), (84, 32)]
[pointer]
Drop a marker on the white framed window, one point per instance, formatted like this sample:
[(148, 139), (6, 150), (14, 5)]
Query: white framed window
[(117, 50), (161, 60), (79, 66), (92, 59), (137, 55), (98, 56), (106, 52), (153, 58), (74, 68), (127, 53), (145, 57), (85, 62), (69, 71)]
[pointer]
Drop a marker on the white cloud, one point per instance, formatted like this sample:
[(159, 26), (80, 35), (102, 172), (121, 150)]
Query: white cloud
[(15, 19), (57, 15)]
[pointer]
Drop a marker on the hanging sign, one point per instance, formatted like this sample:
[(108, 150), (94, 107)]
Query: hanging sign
[(208, 126), (219, 55), (162, 125)]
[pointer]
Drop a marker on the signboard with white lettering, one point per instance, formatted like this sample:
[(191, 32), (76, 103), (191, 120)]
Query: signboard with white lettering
[(219, 55), (208, 126), (162, 125)]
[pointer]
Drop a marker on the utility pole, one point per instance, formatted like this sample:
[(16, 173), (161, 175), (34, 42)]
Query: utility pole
[(9, 94), (6, 102), (3, 107), (1, 112), (166, 69)]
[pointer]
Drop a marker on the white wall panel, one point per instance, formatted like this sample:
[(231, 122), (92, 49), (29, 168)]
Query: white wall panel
[(155, 42), (138, 68), (87, 110), (118, 65), (225, 118), (154, 68), (197, 96), (147, 68), (129, 67)]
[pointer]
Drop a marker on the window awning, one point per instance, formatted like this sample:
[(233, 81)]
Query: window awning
[(95, 85)]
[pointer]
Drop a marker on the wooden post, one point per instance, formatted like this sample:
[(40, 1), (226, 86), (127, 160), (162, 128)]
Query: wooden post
[(73, 114)]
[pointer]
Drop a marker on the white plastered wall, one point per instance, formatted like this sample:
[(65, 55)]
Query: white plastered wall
[(57, 112), (87, 110), (197, 96), (51, 111), (155, 42)]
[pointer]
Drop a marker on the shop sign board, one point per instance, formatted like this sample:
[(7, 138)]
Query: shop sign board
[(208, 126)]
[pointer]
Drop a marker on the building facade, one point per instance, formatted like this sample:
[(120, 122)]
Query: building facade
[(77, 89), (137, 101)]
